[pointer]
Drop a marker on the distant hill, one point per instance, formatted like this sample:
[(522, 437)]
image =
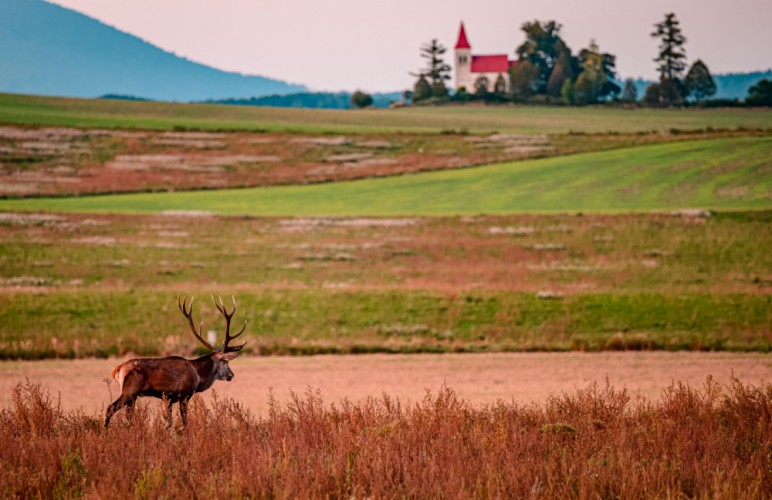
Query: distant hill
[(49, 50), (736, 85), (728, 85), (317, 100)]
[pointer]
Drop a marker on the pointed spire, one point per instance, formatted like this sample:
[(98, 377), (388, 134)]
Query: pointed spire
[(462, 42)]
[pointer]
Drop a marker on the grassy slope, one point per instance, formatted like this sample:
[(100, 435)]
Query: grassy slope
[(34, 110), (720, 174)]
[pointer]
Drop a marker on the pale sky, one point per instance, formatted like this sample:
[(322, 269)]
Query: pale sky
[(373, 44)]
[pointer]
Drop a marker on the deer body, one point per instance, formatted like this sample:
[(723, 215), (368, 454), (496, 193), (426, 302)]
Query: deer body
[(174, 379)]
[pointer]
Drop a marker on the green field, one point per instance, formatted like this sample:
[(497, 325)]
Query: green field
[(33, 110), (717, 174), (571, 251), (94, 323), (85, 285)]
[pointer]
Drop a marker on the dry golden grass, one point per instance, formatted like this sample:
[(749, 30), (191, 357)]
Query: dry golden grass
[(596, 442)]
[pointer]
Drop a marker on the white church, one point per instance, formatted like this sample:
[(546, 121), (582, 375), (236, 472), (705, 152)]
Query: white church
[(469, 68)]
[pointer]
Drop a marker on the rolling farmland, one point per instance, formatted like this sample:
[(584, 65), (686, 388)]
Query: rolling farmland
[(475, 233)]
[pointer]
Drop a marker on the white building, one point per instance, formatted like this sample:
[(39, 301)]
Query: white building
[(469, 68)]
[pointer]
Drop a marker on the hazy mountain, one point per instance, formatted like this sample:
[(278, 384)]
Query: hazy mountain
[(46, 49), (728, 85), (736, 85)]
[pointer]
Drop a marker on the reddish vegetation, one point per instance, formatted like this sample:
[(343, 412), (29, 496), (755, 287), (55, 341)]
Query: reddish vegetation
[(593, 443), (60, 161)]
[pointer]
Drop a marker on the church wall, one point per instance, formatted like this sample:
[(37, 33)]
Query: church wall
[(463, 70), (491, 80)]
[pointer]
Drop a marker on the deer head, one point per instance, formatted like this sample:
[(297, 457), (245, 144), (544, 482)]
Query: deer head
[(220, 356)]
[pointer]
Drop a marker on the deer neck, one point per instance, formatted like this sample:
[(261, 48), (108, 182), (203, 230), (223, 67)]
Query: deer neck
[(206, 369)]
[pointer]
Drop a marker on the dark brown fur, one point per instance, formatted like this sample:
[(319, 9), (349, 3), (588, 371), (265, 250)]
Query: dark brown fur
[(175, 379)]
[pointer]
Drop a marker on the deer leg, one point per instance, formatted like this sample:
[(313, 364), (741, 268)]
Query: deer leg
[(184, 411), (130, 409), (167, 408), (115, 406)]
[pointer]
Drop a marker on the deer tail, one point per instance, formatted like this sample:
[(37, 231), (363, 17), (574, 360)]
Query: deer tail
[(119, 374)]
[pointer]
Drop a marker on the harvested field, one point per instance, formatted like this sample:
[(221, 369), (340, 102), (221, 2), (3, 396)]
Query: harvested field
[(65, 161), (69, 161), (478, 378)]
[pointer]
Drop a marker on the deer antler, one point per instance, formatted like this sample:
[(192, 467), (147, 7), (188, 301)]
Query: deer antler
[(188, 313), (221, 307)]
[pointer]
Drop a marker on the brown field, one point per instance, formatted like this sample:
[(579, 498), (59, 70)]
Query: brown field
[(478, 378), (68, 161)]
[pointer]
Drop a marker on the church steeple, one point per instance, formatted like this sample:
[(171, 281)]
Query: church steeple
[(463, 56), (462, 42)]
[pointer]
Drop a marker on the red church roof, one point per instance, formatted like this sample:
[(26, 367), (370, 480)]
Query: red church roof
[(462, 42), (490, 64)]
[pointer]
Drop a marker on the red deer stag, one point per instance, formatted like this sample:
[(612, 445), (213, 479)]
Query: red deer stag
[(175, 379)]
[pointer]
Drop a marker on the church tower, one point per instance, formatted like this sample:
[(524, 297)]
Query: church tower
[(463, 61)]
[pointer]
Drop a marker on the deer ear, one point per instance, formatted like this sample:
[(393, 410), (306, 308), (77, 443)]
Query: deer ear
[(229, 356)]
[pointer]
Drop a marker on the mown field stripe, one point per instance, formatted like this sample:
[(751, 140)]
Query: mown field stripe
[(717, 174)]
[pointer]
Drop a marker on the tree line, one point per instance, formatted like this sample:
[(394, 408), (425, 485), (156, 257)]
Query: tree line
[(547, 71)]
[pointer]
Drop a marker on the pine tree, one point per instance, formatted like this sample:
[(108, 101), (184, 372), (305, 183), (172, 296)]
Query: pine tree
[(671, 60), (436, 69), (699, 82)]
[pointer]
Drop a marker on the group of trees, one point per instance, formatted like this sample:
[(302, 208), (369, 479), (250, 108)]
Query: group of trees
[(548, 71), (673, 88)]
